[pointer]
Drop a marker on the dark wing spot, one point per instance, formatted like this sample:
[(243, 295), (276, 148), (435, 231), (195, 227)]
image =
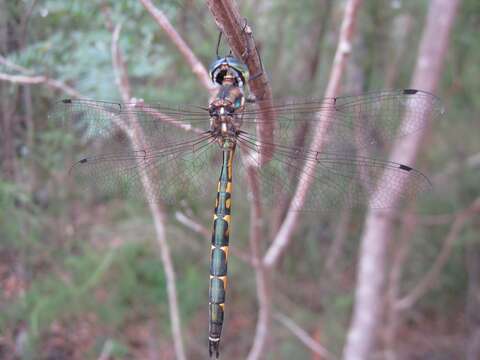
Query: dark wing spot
[(410, 91), (67, 101), (405, 167), (83, 161)]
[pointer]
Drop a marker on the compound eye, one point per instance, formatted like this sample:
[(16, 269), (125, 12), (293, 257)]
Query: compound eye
[(229, 109), (213, 111), (238, 103)]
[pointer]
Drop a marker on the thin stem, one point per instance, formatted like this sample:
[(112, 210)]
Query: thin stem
[(261, 274), (156, 208), (197, 67)]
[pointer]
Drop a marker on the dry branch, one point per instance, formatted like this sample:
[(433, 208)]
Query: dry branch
[(261, 275), (158, 215), (197, 68), (39, 79)]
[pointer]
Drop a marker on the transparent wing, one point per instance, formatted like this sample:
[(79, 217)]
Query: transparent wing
[(370, 120), (342, 171), (171, 146)]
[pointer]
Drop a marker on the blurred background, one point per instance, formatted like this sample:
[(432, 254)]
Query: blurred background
[(81, 275)]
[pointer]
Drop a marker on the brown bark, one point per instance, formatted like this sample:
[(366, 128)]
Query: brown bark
[(378, 229)]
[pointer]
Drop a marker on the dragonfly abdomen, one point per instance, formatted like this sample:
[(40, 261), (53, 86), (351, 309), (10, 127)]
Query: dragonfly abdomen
[(219, 253)]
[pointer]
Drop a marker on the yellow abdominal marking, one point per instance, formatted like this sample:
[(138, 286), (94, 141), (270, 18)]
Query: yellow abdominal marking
[(228, 203), (225, 250), (224, 279)]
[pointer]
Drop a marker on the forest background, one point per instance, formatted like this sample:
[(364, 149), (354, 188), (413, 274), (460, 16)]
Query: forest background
[(89, 277)]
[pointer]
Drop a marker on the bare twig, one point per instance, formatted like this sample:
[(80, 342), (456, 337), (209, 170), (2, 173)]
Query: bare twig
[(197, 67), (136, 137), (368, 307), (192, 224), (4, 61), (283, 237), (39, 79), (429, 279), (263, 291), (303, 336)]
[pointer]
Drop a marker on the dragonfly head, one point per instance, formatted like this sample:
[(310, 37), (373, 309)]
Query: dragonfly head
[(229, 69)]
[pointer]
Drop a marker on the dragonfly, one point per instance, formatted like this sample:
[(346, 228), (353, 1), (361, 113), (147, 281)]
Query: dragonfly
[(178, 148)]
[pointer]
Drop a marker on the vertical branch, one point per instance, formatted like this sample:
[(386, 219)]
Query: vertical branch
[(371, 272), (240, 39), (156, 209), (263, 291), (342, 53)]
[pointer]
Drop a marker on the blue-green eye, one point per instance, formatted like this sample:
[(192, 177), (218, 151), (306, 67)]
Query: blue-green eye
[(238, 103)]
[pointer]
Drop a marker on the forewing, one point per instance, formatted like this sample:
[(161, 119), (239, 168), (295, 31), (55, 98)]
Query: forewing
[(369, 121), (121, 145)]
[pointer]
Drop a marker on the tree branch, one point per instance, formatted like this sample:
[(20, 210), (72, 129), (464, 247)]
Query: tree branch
[(261, 280), (39, 79), (342, 53), (197, 68), (240, 38), (156, 209)]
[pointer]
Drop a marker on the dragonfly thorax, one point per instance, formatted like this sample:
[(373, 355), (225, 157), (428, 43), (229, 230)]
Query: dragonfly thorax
[(225, 112)]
